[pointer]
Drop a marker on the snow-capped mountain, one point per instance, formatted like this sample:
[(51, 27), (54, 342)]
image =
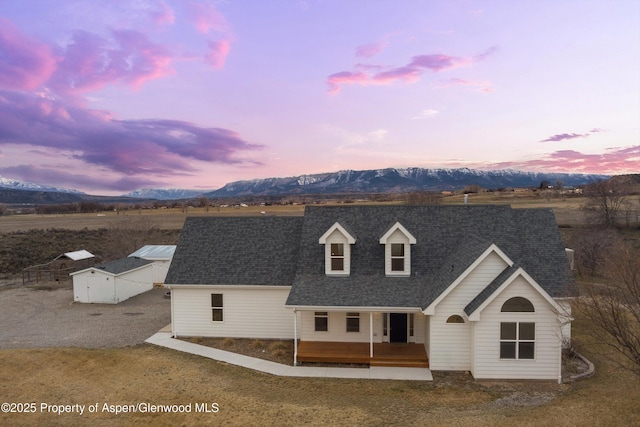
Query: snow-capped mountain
[(28, 186), (396, 180), (164, 193)]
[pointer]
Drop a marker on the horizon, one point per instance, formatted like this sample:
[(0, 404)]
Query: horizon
[(110, 98)]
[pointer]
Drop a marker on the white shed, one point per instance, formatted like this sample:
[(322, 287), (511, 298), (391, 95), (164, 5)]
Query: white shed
[(113, 282), (161, 255)]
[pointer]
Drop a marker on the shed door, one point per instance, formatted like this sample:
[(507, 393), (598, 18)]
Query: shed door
[(398, 325)]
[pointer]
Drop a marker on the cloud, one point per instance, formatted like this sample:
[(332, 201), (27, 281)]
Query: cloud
[(483, 86), (409, 73), (206, 17), (563, 136), (426, 114), (218, 51), (370, 49), (25, 63), (91, 62), (613, 161), (134, 147), (162, 15)]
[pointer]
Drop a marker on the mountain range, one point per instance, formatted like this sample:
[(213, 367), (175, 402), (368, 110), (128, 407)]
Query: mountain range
[(394, 180), (390, 180)]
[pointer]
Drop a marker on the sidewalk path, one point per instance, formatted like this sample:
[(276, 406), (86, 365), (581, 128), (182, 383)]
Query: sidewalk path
[(163, 339)]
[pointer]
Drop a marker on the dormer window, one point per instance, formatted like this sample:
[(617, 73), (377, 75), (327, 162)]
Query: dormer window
[(337, 257), (397, 259), (337, 242)]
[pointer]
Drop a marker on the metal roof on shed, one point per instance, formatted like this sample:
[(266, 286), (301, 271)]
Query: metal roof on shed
[(77, 255), (155, 252)]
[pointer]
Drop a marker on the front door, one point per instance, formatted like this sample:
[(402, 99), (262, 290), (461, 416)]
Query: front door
[(398, 326)]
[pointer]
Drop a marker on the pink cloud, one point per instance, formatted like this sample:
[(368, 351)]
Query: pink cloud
[(206, 17), (218, 51), (163, 15), (410, 73), (483, 86), (25, 63), (612, 162), (564, 136), (91, 62), (370, 49)]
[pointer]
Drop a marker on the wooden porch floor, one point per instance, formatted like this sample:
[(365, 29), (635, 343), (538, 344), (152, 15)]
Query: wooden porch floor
[(384, 354)]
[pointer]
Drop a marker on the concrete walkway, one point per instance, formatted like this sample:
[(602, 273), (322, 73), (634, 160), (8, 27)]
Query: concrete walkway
[(163, 339)]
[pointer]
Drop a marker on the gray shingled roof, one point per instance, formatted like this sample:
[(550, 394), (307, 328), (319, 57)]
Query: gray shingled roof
[(285, 251), (122, 265), (449, 239), (236, 251)]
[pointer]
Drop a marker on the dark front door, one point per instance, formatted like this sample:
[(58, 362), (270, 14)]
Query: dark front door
[(398, 324)]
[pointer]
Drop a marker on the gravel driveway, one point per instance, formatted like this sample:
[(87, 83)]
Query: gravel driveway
[(31, 317)]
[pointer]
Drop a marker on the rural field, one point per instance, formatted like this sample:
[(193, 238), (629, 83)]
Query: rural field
[(149, 375)]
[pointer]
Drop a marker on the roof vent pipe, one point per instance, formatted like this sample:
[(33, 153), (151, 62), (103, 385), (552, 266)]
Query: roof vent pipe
[(466, 199)]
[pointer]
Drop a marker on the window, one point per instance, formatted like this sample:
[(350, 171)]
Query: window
[(517, 340), (217, 308), (337, 257), (321, 321), (353, 322), (454, 318), (397, 243), (517, 305), (397, 257), (337, 250)]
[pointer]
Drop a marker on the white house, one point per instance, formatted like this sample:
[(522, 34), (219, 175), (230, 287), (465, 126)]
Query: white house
[(113, 282), (161, 256), (484, 289)]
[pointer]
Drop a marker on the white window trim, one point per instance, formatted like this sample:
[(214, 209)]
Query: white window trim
[(408, 240), (315, 316), (352, 315), (518, 340), (221, 308), (337, 234)]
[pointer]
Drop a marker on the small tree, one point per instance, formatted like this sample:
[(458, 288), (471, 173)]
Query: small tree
[(614, 308), (606, 197)]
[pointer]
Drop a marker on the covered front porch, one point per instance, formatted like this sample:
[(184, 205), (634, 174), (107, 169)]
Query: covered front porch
[(378, 354)]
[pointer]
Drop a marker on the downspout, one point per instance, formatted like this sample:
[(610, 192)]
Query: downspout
[(371, 334), (295, 338), (173, 331)]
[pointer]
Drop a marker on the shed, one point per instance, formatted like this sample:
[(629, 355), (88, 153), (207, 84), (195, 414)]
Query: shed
[(60, 267), (113, 282), (161, 255)]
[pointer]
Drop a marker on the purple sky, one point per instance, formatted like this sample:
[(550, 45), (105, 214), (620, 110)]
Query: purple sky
[(111, 96)]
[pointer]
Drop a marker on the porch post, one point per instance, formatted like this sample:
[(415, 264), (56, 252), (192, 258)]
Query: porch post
[(371, 334), (295, 338)]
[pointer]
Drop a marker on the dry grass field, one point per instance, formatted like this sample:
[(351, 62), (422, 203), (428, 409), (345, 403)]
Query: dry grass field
[(149, 375)]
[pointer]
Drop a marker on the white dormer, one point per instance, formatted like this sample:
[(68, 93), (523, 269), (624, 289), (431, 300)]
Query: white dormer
[(337, 250), (397, 243)]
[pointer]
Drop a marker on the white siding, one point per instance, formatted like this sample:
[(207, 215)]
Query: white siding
[(338, 328), (337, 237), (160, 270), (565, 318), (397, 237), (450, 345), (102, 288), (249, 312), (135, 282), (546, 363), (94, 288)]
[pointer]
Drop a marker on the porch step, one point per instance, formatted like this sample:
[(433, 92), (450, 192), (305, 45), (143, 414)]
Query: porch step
[(401, 363)]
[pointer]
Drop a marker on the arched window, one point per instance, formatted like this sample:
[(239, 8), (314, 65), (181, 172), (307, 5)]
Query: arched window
[(454, 318), (517, 305)]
